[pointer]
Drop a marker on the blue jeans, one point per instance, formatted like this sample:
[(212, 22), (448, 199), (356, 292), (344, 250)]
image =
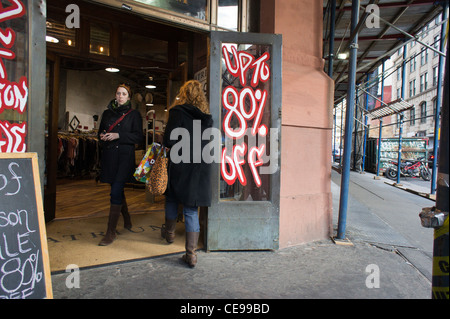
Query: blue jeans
[(191, 222), (117, 193)]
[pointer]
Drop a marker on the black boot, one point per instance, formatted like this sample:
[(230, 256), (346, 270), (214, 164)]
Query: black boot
[(126, 215), (191, 246), (168, 230), (114, 215)]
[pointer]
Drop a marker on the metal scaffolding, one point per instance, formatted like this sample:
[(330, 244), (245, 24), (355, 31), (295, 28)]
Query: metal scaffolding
[(349, 29)]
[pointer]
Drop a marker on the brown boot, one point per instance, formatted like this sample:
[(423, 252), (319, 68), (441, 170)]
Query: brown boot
[(114, 215), (191, 246), (126, 215), (168, 230)]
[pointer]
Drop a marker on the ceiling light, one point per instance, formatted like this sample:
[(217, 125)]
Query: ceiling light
[(51, 39), (114, 70), (150, 86), (342, 56), (149, 104)]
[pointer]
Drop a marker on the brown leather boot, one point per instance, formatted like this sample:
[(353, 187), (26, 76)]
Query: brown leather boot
[(168, 230), (126, 215), (191, 246), (114, 214)]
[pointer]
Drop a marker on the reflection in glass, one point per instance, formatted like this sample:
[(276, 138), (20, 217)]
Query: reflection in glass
[(99, 39), (191, 8), (245, 122), (227, 14)]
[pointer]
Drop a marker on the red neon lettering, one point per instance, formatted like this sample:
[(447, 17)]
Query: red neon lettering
[(253, 163), (7, 37), (16, 10), (232, 110), (235, 163), (229, 177), (243, 106), (233, 70), (13, 95), (244, 62), (12, 137)]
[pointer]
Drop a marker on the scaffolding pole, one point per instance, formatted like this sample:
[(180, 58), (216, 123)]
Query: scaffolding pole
[(345, 177), (380, 133), (438, 99)]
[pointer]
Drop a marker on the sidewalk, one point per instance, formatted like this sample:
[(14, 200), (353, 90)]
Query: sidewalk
[(314, 270)]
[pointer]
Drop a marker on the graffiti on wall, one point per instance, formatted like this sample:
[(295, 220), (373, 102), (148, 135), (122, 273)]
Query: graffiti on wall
[(13, 95)]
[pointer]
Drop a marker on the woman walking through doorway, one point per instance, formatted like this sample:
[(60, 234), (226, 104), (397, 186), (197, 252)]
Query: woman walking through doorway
[(120, 129), (189, 181)]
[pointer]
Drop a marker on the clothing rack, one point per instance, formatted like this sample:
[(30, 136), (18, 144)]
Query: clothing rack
[(78, 154)]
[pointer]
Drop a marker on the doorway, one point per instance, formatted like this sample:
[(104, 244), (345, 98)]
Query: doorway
[(84, 67)]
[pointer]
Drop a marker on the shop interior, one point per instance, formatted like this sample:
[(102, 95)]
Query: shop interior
[(84, 67)]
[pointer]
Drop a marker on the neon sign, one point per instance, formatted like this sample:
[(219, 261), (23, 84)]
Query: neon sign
[(244, 106), (13, 95)]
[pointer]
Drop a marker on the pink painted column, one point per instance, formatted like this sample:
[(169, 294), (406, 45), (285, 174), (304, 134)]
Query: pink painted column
[(306, 200)]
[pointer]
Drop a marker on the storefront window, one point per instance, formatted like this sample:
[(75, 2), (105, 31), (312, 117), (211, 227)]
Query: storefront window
[(139, 46), (192, 8), (14, 84), (227, 14), (99, 39), (245, 122)]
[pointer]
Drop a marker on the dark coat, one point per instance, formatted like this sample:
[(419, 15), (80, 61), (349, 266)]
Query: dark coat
[(189, 182), (118, 159)]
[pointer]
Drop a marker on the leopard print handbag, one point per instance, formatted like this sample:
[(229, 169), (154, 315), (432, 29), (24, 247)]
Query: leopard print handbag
[(157, 183)]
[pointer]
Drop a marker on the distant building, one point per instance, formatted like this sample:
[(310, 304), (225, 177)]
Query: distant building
[(420, 84)]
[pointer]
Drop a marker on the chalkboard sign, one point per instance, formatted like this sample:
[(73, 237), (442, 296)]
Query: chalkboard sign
[(24, 264)]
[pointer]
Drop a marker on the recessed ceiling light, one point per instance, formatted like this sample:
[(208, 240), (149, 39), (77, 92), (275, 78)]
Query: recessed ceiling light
[(51, 39), (150, 86), (112, 70)]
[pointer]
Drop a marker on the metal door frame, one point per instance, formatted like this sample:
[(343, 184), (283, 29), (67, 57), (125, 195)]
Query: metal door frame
[(244, 225)]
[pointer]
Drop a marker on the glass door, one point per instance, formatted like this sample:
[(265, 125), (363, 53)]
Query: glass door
[(245, 102)]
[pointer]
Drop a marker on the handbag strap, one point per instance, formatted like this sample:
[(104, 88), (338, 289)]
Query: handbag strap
[(118, 121)]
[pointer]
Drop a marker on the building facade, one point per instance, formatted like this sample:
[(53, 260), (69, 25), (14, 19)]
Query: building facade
[(51, 76), (422, 69)]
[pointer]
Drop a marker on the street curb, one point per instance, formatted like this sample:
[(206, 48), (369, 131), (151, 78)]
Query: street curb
[(413, 191), (399, 186)]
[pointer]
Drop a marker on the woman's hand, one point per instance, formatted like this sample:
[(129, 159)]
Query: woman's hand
[(109, 136)]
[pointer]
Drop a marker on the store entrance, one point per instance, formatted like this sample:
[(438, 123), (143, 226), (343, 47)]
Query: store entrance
[(84, 67)]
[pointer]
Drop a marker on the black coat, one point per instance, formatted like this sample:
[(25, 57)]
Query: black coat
[(118, 158), (189, 182)]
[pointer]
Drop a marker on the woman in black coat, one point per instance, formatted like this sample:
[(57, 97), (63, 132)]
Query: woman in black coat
[(189, 175), (120, 129)]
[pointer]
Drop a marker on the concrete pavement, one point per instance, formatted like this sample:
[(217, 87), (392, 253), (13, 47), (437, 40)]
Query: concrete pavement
[(391, 257)]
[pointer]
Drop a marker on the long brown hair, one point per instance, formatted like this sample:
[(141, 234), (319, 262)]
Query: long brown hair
[(192, 93)]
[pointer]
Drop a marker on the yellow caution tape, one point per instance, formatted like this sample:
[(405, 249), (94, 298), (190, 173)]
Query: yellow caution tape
[(443, 230)]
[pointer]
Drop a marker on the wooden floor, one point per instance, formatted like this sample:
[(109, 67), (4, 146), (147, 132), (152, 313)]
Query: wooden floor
[(86, 198)]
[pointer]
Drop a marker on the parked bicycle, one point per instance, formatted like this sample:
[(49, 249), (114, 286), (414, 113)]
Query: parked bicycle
[(409, 169)]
